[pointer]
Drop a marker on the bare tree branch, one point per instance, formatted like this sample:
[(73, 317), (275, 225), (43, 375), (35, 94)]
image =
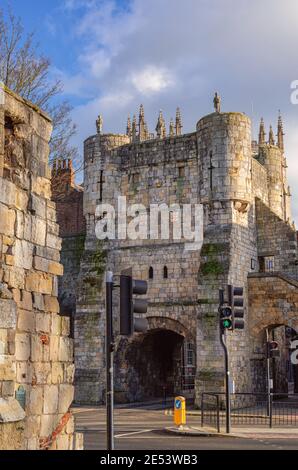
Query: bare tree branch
[(26, 72)]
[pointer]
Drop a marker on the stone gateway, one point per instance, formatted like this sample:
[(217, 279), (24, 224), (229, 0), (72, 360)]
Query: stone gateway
[(249, 241)]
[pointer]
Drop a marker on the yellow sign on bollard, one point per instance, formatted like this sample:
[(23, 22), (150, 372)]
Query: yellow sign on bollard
[(179, 411)]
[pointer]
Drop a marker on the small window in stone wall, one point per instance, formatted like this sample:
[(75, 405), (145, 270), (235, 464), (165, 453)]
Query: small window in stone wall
[(151, 273), (253, 264), (165, 272), (135, 178), (181, 171), (266, 264), (190, 354)]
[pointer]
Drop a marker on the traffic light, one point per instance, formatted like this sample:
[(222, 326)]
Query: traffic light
[(236, 302), (272, 349), (225, 318), (130, 305)]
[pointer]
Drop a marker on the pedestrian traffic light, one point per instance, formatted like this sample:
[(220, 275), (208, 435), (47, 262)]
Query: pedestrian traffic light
[(225, 318), (272, 349), (236, 302), (130, 305)]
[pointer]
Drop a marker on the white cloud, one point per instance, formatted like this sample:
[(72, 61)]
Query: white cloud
[(151, 80), (172, 52)]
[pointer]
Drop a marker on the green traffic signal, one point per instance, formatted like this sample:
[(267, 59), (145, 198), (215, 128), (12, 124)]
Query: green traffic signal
[(227, 323)]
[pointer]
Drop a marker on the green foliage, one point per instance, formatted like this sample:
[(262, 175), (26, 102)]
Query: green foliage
[(212, 268), (99, 259), (210, 249)]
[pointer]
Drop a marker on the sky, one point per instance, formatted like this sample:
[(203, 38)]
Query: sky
[(113, 55)]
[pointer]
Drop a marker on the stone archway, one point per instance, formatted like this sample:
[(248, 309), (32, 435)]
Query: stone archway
[(273, 307), (152, 365)]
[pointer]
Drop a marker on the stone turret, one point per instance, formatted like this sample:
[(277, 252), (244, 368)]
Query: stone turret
[(273, 160), (161, 127), (128, 127), (178, 122), (262, 134), (271, 137), (280, 134), (224, 144), (134, 129), (171, 128), (142, 124)]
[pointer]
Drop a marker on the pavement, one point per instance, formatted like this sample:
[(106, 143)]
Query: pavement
[(236, 431), (147, 428)]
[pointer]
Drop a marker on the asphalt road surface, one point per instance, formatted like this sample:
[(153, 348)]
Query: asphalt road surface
[(143, 429)]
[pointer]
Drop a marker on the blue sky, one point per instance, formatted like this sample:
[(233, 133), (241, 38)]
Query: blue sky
[(114, 55)]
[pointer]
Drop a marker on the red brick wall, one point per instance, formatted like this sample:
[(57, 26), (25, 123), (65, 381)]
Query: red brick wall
[(68, 198)]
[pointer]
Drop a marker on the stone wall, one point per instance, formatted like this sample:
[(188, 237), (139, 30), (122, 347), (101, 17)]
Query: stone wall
[(36, 361), (276, 238)]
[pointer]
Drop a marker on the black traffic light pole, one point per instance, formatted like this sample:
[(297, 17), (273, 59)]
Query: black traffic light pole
[(268, 374), (223, 340), (109, 361)]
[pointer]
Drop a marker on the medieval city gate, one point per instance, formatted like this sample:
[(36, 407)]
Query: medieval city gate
[(158, 364)]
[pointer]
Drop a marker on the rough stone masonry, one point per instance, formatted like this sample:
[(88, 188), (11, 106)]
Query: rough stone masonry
[(36, 353), (249, 241)]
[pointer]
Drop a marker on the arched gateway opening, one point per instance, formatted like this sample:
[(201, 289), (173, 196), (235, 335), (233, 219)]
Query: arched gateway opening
[(158, 363)]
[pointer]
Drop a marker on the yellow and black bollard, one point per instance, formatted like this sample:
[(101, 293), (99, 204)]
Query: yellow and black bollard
[(180, 411)]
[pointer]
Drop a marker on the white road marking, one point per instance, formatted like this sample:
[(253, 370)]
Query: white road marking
[(135, 432)]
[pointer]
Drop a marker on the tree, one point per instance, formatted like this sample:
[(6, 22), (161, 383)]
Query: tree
[(27, 72)]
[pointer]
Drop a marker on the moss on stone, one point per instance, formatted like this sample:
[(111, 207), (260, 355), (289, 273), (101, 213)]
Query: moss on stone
[(99, 257), (180, 185), (210, 249), (212, 268)]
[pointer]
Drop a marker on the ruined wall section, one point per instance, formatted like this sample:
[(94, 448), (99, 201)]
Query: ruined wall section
[(37, 356)]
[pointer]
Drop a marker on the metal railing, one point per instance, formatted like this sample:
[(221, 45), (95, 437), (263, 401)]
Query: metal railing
[(250, 409)]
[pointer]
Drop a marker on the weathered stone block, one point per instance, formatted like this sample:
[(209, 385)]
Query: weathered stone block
[(48, 425), (7, 368), (26, 320), (53, 241), (43, 322), (66, 394), (38, 206), (25, 302), (8, 314), (36, 348), (65, 349), (57, 370), (36, 402), (23, 253), (22, 347), (51, 304), (7, 221), (10, 411), (8, 388), (50, 404), (38, 302)]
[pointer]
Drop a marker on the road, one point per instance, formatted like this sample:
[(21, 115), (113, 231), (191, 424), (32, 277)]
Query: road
[(143, 429)]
